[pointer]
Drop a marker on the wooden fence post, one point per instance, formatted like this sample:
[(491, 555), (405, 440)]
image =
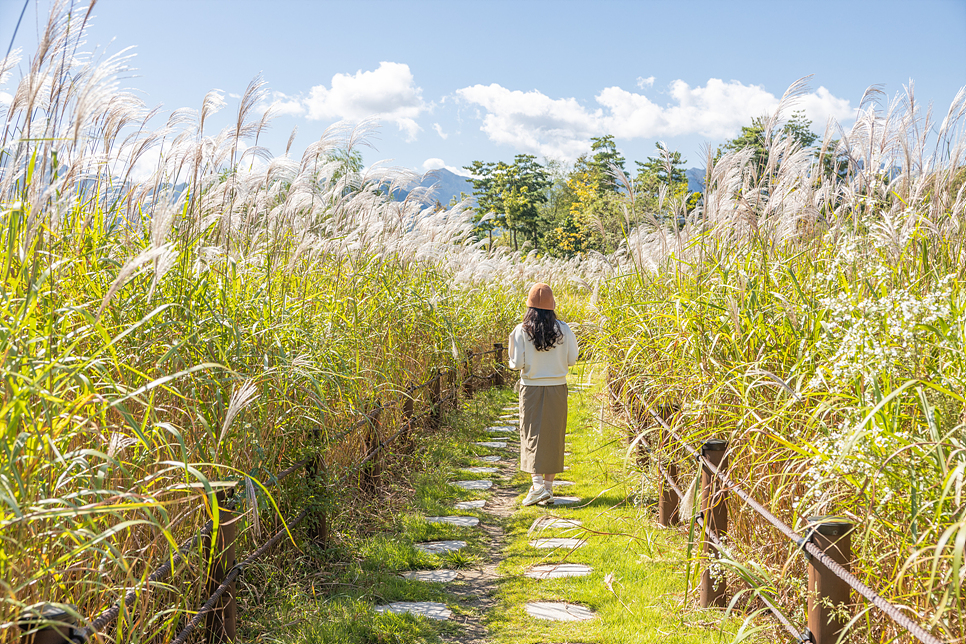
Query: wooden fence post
[(667, 505), (48, 624), (436, 400), (498, 365), (317, 476), (371, 442), (407, 439), (221, 621), (715, 513), (829, 605), (452, 383), (468, 377)]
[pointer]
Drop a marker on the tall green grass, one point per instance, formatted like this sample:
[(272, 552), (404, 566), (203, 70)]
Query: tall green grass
[(816, 320), (170, 329)]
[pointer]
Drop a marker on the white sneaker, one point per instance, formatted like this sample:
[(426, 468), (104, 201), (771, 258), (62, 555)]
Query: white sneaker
[(536, 495)]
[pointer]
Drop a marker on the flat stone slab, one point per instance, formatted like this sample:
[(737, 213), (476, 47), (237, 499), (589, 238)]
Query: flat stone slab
[(545, 544), (493, 458), (482, 484), (559, 612), (555, 571), (562, 500), (502, 429), (466, 522), (430, 610), (550, 523), (481, 470), (470, 505), (563, 483), (434, 576), (439, 547), (492, 444)]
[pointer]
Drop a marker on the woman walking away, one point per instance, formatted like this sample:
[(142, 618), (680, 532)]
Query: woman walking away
[(542, 348)]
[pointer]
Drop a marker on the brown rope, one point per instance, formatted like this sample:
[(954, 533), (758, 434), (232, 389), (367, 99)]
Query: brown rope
[(891, 610), (231, 576)]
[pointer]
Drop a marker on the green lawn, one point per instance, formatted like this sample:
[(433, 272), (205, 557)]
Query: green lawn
[(645, 564)]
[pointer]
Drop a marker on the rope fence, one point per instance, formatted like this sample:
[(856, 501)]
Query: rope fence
[(57, 623), (827, 544)]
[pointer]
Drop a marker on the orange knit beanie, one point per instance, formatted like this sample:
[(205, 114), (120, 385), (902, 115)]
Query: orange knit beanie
[(541, 297)]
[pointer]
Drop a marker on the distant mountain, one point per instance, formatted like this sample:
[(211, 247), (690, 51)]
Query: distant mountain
[(695, 179), (448, 185)]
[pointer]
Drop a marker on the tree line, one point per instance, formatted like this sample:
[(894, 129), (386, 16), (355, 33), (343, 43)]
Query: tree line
[(565, 211)]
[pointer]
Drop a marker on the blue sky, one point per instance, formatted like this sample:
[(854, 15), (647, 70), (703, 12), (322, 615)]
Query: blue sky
[(460, 80)]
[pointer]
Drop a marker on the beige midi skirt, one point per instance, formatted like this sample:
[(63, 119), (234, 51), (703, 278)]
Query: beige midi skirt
[(543, 427)]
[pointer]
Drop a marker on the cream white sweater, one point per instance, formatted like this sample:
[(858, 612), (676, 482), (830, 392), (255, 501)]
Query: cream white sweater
[(542, 368)]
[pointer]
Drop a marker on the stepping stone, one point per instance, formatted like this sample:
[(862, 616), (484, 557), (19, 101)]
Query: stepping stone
[(502, 429), (481, 470), (562, 500), (563, 483), (470, 505), (439, 547), (430, 610), (545, 544), (493, 458), (555, 571), (435, 576), (481, 484), (567, 454), (549, 523), (466, 522), (559, 612), (492, 444)]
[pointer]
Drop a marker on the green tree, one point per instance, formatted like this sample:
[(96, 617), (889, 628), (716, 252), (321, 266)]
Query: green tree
[(605, 158), (660, 184), (798, 128), (526, 189), (489, 209), (667, 166), (349, 162), (509, 196)]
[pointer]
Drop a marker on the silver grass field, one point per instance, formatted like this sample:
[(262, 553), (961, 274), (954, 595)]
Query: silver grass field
[(218, 314)]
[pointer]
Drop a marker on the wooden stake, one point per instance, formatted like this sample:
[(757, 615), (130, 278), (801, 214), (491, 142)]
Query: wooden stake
[(715, 513)]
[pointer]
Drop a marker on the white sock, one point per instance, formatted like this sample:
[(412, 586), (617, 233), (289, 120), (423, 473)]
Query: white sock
[(548, 485), (537, 481)]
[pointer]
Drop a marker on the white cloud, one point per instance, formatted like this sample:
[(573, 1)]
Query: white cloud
[(534, 122), (5, 98), (645, 82), (285, 105), (562, 128), (388, 92), (435, 164), (439, 131)]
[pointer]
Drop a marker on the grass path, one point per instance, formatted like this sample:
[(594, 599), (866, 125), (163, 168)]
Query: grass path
[(636, 589)]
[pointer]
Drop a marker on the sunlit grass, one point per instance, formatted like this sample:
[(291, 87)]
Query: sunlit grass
[(330, 596), (645, 564)]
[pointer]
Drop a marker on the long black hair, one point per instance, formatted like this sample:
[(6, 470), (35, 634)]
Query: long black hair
[(541, 327)]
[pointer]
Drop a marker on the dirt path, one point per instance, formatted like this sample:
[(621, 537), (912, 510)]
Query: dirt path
[(476, 587)]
